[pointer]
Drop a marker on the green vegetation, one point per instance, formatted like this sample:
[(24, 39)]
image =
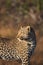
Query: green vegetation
[(25, 4), (8, 3)]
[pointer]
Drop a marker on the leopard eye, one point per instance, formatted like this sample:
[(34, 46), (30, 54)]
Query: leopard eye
[(21, 38)]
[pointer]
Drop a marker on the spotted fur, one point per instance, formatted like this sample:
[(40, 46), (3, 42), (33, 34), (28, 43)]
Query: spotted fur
[(20, 48)]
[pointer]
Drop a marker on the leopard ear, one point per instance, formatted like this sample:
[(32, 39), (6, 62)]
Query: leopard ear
[(28, 27)]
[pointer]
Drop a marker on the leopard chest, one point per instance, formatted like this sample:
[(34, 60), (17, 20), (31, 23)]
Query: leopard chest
[(21, 47)]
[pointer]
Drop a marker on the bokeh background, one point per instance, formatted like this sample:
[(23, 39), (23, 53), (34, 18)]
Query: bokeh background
[(17, 13)]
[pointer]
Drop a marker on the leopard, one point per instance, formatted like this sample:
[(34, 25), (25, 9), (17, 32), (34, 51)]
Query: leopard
[(20, 48)]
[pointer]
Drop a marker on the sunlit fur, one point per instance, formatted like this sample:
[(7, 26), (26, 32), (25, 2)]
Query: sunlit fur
[(20, 48)]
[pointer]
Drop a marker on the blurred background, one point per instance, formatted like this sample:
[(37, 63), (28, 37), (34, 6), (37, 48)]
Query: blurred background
[(17, 13)]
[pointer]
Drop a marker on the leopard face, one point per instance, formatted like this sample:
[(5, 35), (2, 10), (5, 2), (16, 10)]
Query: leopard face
[(26, 33), (23, 32)]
